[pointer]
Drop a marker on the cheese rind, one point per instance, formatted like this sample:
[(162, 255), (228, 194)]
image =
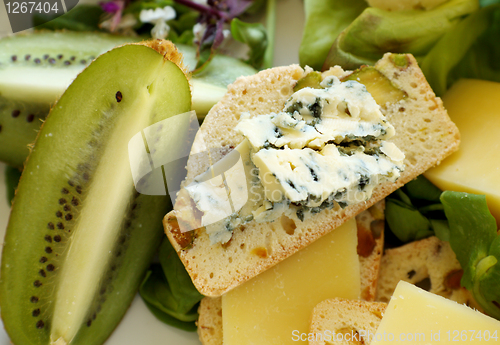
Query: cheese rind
[(268, 308), (416, 316), (474, 106)]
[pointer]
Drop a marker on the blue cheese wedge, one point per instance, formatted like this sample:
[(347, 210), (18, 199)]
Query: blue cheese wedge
[(327, 148), (342, 111), (309, 178)]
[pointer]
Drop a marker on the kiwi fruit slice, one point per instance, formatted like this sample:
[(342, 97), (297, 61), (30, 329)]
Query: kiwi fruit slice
[(80, 237), (35, 70)]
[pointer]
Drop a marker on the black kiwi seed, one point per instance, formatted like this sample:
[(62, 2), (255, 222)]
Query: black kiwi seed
[(60, 226), (67, 63), (14, 58), (16, 113), (52, 61), (74, 201), (69, 216), (60, 56), (73, 58), (48, 250), (34, 299), (71, 183), (46, 56), (79, 189), (37, 60), (42, 273), (37, 283), (50, 267), (0, 128), (89, 322), (43, 259), (59, 214), (27, 57), (36, 312), (57, 238), (50, 226), (30, 118), (64, 191), (83, 62), (66, 208), (40, 324), (119, 96), (48, 238), (62, 201)]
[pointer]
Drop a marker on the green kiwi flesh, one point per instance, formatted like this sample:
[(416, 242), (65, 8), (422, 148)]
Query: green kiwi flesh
[(39, 67), (80, 237), (35, 70), (19, 124)]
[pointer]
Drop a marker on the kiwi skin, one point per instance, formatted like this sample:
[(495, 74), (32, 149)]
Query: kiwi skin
[(77, 225)]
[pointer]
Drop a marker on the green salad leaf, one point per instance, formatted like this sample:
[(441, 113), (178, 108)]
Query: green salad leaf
[(406, 222), (169, 292), (474, 239), (414, 211), (377, 31), (463, 53), (325, 20), (458, 39), (255, 36)]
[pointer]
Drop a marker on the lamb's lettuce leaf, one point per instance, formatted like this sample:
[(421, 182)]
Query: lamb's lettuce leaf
[(169, 292), (474, 239), (463, 220), (414, 212)]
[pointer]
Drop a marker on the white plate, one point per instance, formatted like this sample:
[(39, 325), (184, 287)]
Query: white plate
[(139, 326)]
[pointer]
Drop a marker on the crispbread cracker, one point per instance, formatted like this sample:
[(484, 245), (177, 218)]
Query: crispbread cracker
[(424, 133), (340, 321), (370, 248), (210, 321), (429, 263), (370, 224)]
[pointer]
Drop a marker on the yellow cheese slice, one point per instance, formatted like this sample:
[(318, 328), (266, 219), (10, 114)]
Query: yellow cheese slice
[(415, 316), (474, 106), (275, 307)]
